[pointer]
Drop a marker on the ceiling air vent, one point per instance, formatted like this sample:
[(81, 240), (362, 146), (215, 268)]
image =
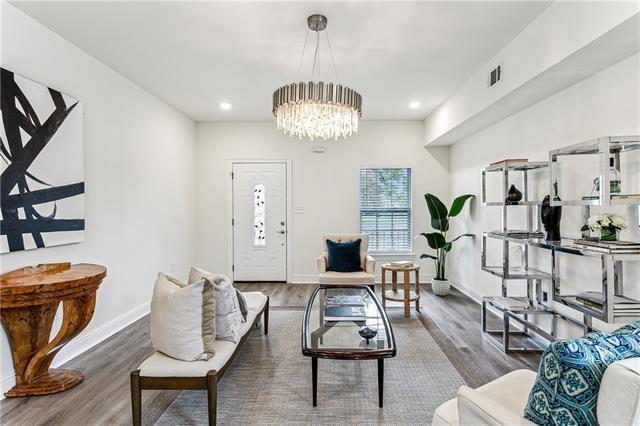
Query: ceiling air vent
[(495, 76)]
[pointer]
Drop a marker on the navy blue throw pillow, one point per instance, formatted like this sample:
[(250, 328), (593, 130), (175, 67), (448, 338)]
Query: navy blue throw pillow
[(344, 257)]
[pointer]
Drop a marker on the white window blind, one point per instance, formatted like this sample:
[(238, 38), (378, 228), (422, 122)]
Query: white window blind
[(385, 209)]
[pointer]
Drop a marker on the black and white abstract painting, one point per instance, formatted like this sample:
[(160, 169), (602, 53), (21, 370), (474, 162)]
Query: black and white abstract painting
[(42, 181)]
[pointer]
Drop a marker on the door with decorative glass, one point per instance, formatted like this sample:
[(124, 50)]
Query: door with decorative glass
[(260, 221)]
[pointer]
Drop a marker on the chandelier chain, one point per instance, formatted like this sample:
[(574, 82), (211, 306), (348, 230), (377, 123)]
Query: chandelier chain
[(302, 57), (333, 63), (316, 59)]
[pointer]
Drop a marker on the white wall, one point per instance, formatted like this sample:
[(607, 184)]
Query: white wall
[(607, 103), (563, 29), (324, 185), (139, 174)]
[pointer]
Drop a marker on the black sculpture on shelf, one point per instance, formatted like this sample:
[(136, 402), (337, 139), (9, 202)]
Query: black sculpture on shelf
[(513, 196), (550, 217)]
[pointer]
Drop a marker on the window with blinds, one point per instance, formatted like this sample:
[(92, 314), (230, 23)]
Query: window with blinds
[(385, 209)]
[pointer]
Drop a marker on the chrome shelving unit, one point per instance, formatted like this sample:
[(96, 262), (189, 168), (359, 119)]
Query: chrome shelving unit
[(519, 309), (605, 148), (612, 264)]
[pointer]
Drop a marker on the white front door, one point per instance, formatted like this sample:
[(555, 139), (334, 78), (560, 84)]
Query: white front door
[(260, 221)]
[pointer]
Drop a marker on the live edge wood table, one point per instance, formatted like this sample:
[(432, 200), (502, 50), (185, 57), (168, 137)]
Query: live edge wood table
[(405, 295), (29, 299)]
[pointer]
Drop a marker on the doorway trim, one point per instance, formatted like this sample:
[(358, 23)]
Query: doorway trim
[(230, 213)]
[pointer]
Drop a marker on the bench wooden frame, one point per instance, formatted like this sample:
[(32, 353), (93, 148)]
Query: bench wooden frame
[(208, 382)]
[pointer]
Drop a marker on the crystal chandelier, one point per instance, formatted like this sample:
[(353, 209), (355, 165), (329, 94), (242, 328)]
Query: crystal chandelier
[(316, 109)]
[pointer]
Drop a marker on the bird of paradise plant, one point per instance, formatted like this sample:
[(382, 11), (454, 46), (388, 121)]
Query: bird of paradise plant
[(437, 240)]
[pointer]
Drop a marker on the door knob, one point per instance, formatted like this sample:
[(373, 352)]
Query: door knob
[(282, 231)]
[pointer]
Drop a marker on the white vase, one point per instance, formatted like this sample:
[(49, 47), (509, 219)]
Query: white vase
[(440, 287)]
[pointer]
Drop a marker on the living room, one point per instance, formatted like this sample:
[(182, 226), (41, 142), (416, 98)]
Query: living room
[(165, 161)]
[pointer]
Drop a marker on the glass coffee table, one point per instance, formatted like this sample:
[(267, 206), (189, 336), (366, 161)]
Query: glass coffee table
[(333, 322)]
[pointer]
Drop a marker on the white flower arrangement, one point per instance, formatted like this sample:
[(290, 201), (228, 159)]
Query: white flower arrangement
[(598, 222)]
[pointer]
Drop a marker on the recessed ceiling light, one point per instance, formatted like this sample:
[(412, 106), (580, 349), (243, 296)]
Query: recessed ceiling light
[(414, 104), (225, 106)]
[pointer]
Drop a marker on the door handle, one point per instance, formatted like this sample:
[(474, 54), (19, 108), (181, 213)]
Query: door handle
[(282, 231)]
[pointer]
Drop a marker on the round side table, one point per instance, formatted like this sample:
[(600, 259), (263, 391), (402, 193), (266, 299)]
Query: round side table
[(405, 294)]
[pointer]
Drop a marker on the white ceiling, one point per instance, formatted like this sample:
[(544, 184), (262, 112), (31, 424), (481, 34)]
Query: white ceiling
[(194, 55)]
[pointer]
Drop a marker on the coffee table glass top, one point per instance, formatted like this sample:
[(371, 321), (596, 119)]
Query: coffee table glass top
[(334, 318)]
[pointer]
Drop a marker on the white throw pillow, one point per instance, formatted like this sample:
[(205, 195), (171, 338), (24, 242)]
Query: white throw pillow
[(183, 318), (228, 315)]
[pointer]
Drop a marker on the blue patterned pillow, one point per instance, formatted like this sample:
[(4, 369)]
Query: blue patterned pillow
[(566, 389)]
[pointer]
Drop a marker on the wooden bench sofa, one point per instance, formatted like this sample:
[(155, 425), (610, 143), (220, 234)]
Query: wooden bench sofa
[(160, 372)]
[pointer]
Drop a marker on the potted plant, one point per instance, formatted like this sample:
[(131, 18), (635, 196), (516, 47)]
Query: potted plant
[(437, 240), (609, 225)]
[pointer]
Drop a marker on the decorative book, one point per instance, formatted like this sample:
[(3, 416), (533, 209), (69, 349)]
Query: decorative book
[(344, 313), (595, 299), (612, 247), (344, 300), (402, 264), (517, 233), (509, 160)]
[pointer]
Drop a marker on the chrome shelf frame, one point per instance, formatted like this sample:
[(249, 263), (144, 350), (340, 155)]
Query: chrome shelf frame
[(605, 148), (611, 284), (611, 264), (508, 314), (506, 272)]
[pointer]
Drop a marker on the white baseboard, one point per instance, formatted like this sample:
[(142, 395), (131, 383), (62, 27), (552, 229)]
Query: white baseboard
[(85, 342), (466, 290)]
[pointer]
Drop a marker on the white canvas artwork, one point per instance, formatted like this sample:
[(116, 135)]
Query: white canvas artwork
[(42, 170)]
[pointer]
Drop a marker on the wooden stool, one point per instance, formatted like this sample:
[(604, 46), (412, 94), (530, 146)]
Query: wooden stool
[(405, 295)]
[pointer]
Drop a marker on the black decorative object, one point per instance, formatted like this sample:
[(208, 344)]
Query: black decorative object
[(367, 333), (42, 187), (550, 216), (513, 196)]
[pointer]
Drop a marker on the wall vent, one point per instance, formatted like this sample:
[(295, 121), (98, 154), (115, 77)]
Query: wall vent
[(495, 75)]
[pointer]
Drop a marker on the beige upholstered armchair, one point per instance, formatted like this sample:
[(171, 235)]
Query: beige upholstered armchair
[(368, 263)]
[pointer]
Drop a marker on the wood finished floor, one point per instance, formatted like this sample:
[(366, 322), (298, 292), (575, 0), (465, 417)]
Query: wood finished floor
[(103, 397)]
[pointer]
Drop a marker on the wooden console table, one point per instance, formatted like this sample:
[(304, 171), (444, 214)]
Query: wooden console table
[(405, 295), (29, 299)]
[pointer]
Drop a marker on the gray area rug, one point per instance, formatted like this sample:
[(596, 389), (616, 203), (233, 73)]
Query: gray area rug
[(269, 382)]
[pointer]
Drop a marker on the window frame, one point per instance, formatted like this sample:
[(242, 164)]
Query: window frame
[(408, 210)]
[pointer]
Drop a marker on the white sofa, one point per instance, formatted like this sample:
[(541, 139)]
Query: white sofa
[(367, 263), (162, 372), (502, 401)]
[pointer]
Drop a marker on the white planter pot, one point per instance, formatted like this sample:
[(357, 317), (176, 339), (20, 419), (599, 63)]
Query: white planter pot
[(440, 287)]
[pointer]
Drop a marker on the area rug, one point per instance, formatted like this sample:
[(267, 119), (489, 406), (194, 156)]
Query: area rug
[(269, 382)]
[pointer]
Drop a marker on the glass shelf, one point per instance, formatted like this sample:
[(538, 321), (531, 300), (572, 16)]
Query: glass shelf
[(512, 203), (614, 200), (517, 273), (567, 245), (616, 144), (513, 304), (516, 166)]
